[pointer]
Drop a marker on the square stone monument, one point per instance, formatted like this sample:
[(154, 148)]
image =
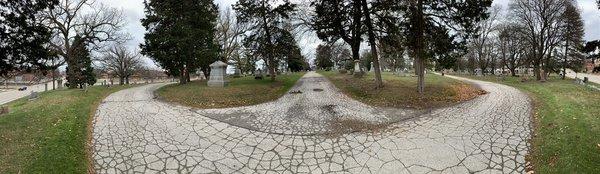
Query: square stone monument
[(478, 72), (357, 66), (217, 74)]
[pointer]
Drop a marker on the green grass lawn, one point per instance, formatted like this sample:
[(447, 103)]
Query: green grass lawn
[(401, 92), (567, 125), (243, 91), (49, 135)]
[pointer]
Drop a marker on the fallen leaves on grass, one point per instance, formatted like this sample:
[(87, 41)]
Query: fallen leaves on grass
[(466, 92), (244, 91), (400, 92), (553, 160)]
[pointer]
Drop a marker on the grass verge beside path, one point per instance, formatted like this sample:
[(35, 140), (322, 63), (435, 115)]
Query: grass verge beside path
[(401, 92), (567, 124), (49, 134), (243, 91)]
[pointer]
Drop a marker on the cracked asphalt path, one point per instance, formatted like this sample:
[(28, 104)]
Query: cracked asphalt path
[(133, 132)]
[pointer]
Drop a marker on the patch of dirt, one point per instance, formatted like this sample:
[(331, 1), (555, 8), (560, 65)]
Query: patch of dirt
[(3, 110), (329, 109), (553, 160), (401, 92), (276, 84), (341, 126)]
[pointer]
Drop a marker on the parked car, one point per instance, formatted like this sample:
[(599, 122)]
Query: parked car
[(23, 88)]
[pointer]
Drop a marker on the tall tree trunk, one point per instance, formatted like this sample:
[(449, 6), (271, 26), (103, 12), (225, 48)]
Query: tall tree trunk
[(270, 59), (512, 72), (415, 63), (419, 45), (182, 79), (536, 70), (378, 81), (493, 64), (504, 64), (127, 79), (187, 75), (546, 67), (356, 33), (564, 64), (54, 80), (355, 57), (121, 80), (206, 72), (540, 59)]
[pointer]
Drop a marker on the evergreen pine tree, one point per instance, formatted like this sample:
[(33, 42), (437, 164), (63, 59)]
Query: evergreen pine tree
[(80, 71), (22, 35), (180, 36)]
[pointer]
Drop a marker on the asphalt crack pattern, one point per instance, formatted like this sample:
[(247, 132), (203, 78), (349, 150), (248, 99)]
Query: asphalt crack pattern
[(135, 133)]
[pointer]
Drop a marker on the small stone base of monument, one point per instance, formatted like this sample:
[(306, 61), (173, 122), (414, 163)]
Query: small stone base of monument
[(217, 83), (217, 74), (357, 72), (258, 75)]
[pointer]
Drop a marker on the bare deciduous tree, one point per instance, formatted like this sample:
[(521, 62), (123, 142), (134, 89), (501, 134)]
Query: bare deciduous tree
[(511, 46), (96, 24), (483, 45), (229, 35), (540, 19), (121, 62)]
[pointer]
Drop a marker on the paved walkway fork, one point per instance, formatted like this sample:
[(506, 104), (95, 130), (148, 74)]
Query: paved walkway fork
[(297, 134)]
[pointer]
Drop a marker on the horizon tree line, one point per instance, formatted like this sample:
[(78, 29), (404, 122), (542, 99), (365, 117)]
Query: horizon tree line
[(184, 37)]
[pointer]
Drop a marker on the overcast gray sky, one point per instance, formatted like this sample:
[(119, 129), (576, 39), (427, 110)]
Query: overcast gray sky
[(134, 11)]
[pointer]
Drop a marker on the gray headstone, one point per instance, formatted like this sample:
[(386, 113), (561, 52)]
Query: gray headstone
[(579, 81), (59, 83), (356, 66), (258, 75), (33, 95), (238, 71), (217, 74), (478, 72)]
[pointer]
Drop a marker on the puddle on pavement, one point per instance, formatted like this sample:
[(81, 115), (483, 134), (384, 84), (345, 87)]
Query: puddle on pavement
[(296, 92)]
